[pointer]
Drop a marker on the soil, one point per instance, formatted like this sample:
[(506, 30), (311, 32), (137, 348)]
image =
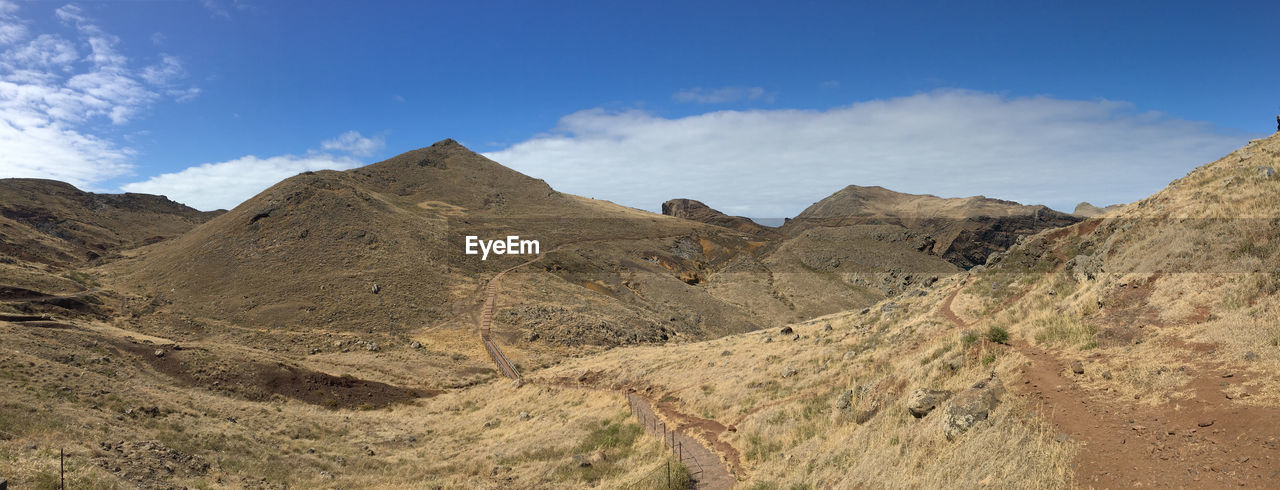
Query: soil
[(1207, 441), (258, 381)]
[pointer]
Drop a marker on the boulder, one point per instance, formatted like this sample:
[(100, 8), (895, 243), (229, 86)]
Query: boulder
[(1077, 367), (971, 406), (922, 401), (786, 330), (788, 372), (1266, 172)]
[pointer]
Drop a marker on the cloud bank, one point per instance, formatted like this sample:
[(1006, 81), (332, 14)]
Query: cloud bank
[(224, 185), (55, 89), (952, 143)]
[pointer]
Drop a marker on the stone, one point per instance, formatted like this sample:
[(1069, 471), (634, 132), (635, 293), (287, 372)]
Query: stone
[(971, 406), (491, 424), (1077, 367), (375, 288), (524, 416), (1251, 356), (415, 345), (797, 337), (581, 461), (826, 328), (786, 330), (844, 400), (1106, 375), (725, 353), (1205, 422), (1266, 172), (788, 372), (159, 352), (921, 401)]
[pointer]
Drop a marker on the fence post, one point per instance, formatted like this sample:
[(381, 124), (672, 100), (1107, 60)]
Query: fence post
[(62, 469), (680, 451), (668, 473)]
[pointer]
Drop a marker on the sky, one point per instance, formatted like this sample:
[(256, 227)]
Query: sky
[(755, 108)]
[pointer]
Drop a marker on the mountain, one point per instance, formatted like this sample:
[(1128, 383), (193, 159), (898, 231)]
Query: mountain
[(965, 231), (1086, 210), (54, 223), (376, 254), (697, 211), (1137, 348)]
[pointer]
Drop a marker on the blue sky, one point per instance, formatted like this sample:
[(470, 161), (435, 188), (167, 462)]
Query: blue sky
[(758, 108)]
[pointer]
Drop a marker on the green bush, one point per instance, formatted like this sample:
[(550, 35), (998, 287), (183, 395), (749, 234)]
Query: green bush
[(968, 338), (998, 334)]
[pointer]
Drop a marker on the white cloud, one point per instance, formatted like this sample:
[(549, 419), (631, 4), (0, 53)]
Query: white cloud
[(774, 163), (721, 95), (352, 142), (224, 185), (54, 90)]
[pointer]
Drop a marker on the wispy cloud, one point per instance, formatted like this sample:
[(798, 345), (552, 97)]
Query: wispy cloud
[(224, 8), (721, 95), (54, 90), (224, 185), (352, 142), (773, 163)]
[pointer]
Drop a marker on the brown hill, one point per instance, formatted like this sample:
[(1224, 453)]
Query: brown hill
[(965, 231), (697, 211), (51, 222), (376, 254), (1086, 210)]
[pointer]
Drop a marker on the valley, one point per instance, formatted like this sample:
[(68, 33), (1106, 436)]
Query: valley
[(332, 332)]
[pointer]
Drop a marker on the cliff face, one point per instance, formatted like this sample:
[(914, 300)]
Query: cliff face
[(694, 210), (965, 231)]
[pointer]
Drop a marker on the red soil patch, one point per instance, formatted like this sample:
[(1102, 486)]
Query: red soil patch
[(258, 381)]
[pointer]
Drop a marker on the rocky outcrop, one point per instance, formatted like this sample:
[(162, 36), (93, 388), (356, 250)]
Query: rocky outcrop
[(1086, 210), (971, 406), (922, 401), (696, 211), (964, 231)]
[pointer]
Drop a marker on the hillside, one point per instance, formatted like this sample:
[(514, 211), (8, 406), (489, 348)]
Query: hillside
[(1086, 210), (697, 211), (374, 256), (965, 231), (1136, 349), (53, 223)]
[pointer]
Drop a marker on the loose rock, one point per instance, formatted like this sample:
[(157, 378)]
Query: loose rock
[(972, 406), (922, 401)]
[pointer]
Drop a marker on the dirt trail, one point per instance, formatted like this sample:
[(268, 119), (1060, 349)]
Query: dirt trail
[(703, 463), (1206, 441), (712, 474)]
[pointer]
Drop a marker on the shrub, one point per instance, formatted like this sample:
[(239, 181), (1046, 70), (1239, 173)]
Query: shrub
[(998, 334), (988, 359), (968, 338)]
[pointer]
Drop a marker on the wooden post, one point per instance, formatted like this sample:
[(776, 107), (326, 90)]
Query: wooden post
[(62, 469), (668, 473), (680, 451)]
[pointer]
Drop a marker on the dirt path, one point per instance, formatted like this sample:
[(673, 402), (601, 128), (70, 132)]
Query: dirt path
[(713, 474), (1207, 441), (703, 463)]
